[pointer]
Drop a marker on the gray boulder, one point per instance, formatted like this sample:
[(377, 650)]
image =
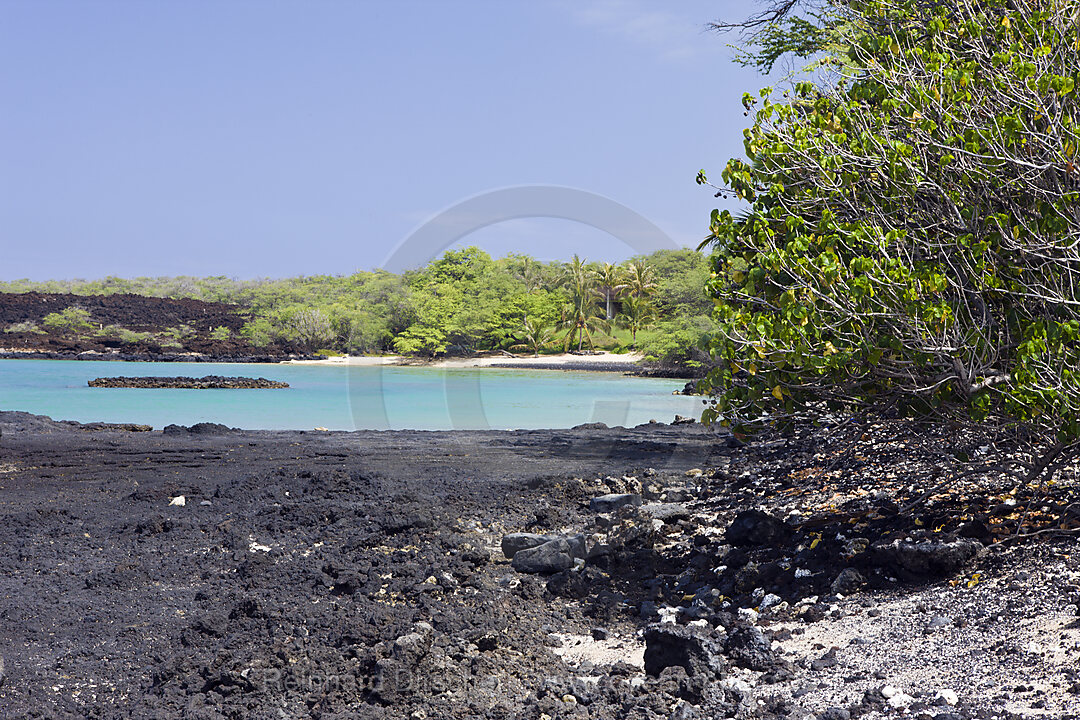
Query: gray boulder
[(614, 501), (577, 546), (551, 557), (514, 543)]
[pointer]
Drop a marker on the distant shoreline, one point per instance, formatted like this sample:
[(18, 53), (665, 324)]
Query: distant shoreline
[(601, 362), (628, 363)]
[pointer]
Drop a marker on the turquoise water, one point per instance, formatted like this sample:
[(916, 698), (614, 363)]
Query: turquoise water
[(344, 398)]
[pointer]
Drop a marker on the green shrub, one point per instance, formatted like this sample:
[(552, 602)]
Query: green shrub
[(70, 319), (221, 334), (913, 238), (25, 327), (679, 341)]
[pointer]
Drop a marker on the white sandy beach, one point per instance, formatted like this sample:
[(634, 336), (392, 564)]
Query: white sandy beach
[(563, 360)]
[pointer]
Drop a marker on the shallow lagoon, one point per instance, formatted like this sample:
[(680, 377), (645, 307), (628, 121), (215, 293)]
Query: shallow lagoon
[(345, 398)]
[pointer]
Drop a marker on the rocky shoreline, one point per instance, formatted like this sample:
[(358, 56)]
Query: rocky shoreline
[(208, 382), (654, 572)]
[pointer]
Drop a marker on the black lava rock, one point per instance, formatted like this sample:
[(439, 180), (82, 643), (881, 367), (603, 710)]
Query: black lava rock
[(749, 648), (754, 527), (924, 560), (694, 650), (848, 581)]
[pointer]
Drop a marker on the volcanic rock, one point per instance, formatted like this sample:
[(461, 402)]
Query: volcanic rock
[(614, 501), (848, 581), (516, 542), (669, 645), (551, 557), (754, 527), (748, 647), (203, 428), (924, 560), (210, 382)]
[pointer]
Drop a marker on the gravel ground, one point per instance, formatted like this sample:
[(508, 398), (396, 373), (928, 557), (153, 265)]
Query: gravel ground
[(871, 570)]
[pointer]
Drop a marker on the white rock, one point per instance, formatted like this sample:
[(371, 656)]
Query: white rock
[(739, 687), (178, 501), (948, 697), (1034, 648), (900, 700), (769, 600), (802, 573), (256, 547), (206, 503), (889, 691), (750, 616)]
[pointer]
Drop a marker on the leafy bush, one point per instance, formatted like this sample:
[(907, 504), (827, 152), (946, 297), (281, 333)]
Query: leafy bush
[(913, 239), (179, 333), (124, 335), (24, 327), (680, 341), (221, 334), (260, 332), (70, 319)]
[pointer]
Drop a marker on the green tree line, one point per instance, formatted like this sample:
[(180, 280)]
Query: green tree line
[(462, 302)]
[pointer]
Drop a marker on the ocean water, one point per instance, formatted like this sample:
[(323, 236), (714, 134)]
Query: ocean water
[(345, 398)]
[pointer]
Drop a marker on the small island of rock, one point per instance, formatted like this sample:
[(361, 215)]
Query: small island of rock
[(210, 382)]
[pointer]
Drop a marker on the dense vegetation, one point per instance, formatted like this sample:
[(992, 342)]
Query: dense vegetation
[(913, 235), (463, 302)]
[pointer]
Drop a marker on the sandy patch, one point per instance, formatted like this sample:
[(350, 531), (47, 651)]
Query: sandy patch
[(576, 649), (565, 360), (975, 653), (358, 360), (544, 361)]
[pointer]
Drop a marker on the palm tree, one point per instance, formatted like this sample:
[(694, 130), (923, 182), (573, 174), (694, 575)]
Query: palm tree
[(580, 317), (536, 334), (610, 279), (637, 314), (640, 279), (577, 277), (528, 271)]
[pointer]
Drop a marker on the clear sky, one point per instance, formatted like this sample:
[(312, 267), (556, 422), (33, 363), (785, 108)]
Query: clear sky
[(265, 138)]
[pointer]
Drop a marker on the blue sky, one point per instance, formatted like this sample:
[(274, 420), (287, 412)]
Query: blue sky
[(265, 138)]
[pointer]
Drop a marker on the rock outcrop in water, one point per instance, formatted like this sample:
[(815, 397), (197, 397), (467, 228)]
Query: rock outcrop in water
[(209, 382)]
